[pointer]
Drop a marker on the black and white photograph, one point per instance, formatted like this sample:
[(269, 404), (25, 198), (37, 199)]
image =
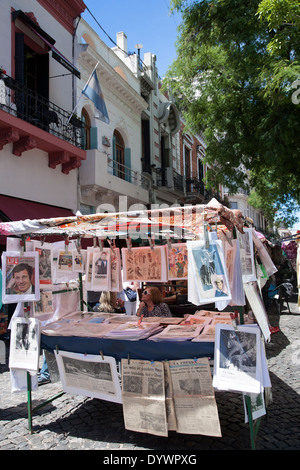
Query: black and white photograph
[(89, 375), (20, 277), (238, 364), (25, 344)]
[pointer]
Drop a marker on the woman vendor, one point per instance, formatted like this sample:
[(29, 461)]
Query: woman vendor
[(151, 304)]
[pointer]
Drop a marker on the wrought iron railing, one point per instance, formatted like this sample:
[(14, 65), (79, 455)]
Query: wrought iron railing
[(167, 177), (20, 101), (127, 174)]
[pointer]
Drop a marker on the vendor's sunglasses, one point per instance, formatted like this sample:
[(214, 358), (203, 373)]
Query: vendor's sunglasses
[(146, 292)]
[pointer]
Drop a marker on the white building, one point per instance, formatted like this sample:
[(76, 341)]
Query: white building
[(128, 157)]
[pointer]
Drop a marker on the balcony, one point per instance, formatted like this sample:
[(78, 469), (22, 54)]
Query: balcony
[(30, 121), (100, 173), (169, 178)]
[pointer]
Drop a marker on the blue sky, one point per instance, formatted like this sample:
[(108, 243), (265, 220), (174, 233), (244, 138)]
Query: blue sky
[(143, 22)]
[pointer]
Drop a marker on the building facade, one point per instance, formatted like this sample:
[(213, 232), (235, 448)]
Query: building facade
[(56, 155), (40, 150)]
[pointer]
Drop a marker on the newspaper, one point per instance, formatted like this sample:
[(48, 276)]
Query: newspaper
[(89, 375), (143, 395), (178, 333), (194, 400)]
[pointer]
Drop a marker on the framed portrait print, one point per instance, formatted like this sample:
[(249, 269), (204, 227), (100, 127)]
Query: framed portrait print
[(20, 280)]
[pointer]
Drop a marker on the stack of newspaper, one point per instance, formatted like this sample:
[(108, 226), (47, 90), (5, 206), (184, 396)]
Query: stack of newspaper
[(133, 331), (178, 333)]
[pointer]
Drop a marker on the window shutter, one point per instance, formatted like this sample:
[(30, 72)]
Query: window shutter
[(127, 158), (93, 138), (114, 155)]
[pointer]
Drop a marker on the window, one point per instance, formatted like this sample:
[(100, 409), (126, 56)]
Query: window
[(90, 138), (86, 129), (121, 158)]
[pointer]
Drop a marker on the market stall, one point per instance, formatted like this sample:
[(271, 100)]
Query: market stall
[(210, 247)]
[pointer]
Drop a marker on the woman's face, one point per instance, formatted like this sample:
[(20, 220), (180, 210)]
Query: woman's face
[(146, 295)]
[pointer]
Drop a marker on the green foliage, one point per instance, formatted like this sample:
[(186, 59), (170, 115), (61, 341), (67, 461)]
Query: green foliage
[(235, 86)]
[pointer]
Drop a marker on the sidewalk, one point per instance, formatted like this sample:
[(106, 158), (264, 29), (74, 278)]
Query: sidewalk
[(75, 423)]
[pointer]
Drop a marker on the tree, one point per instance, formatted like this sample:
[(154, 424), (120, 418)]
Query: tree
[(233, 80)]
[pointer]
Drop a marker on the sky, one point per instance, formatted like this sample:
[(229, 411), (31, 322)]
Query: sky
[(143, 22)]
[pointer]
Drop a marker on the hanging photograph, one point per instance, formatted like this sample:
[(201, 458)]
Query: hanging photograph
[(208, 272), (144, 264), (78, 261), (45, 262), (44, 305), (65, 261), (24, 344), (20, 277), (89, 375), (237, 363), (116, 272), (101, 269), (177, 261), (247, 255)]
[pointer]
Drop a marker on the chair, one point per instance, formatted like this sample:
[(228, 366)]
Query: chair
[(280, 294)]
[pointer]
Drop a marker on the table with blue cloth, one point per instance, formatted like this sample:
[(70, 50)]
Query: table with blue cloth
[(122, 349)]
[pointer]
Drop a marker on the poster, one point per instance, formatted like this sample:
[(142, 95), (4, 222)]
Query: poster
[(20, 277), (177, 261), (144, 264), (45, 263), (101, 269)]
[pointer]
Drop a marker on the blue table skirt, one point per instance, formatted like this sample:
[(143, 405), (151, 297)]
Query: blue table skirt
[(121, 349)]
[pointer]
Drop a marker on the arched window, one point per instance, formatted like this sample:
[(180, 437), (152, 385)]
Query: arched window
[(121, 158), (86, 129), (89, 132)]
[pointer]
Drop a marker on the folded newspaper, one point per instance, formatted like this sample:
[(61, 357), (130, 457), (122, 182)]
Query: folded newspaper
[(178, 333), (133, 331)]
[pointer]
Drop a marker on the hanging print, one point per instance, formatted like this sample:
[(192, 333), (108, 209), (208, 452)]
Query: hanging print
[(20, 281), (207, 272), (177, 261)]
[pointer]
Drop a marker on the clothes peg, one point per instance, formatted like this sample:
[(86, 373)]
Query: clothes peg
[(128, 243), (67, 242), (112, 245), (101, 243), (168, 241), (78, 244), (151, 242)]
